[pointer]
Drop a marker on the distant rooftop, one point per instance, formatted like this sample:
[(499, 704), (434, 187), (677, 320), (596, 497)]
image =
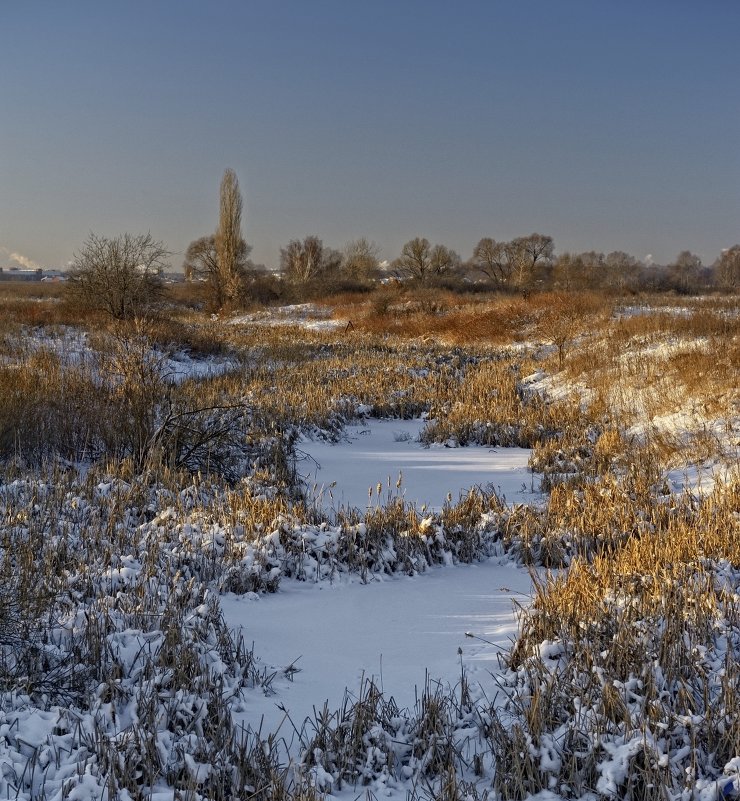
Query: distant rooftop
[(37, 274)]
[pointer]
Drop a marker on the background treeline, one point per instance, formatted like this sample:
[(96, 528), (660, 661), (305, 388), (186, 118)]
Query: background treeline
[(526, 264), (122, 276)]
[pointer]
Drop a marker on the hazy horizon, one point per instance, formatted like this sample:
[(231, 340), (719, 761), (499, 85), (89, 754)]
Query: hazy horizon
[(608, 126)]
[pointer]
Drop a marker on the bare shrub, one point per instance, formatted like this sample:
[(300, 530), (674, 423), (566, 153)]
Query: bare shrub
[(120, 276), (562, 317)]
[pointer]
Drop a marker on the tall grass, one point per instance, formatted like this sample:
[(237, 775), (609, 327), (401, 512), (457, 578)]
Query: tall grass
[(128, 502)]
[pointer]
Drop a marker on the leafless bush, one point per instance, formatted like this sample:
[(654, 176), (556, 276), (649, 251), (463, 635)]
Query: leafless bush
[(120, 276)]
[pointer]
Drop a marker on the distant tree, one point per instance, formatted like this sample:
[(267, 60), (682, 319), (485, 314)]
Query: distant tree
[(222, 259), (655, 278), (231, 252), (201, 261), (360, 259), (621, 271), (593, 268), (492, 259), (684, 272), (309, 261), (444, 261), (421, 262), (727, 269), (531, 260), (415, 259), (569, 272), (121, 276)]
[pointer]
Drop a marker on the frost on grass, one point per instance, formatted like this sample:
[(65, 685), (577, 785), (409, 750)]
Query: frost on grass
[(635, 705)]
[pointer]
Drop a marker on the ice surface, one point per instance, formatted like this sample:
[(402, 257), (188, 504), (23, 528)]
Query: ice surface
[(376, 451), (393, 631)]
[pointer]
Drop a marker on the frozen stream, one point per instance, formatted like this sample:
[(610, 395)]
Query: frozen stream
[(377, 450), (393, 630)]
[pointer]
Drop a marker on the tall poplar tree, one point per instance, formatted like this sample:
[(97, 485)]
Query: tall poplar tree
[(231, 253)]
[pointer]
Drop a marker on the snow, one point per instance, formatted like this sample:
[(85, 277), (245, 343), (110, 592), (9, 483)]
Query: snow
[(329, 634), (394, 631), (557, 387), (400, 632), (700, 479), (376, 452), (73, 349), (308, 316), (687, 427), (181, 366), (707, 443)]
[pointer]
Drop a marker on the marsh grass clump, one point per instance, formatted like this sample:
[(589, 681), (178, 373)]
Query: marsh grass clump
[(369, 741), (113, 646), (632, 649)]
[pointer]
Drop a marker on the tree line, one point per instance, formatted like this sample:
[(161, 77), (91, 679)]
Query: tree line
[(122, 274)]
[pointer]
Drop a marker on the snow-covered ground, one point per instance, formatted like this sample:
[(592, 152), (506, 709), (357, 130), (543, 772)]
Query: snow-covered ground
[(308, 316), (377, 451), (707, 444), (72, 348), (181, 366), (393, 631)]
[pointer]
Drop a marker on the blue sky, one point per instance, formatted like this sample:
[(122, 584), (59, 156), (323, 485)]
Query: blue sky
[(607, 124)]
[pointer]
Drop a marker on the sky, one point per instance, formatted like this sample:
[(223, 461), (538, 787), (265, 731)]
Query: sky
[(607, 124)]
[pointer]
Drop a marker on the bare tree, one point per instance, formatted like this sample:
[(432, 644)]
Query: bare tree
[(727, 268), (121, 276), (230, 256), (309, 261), (222, 259), (593, 261), (415, 259), (444, 261), (566, 317), (201, 262), (570, 271), (684, 271), (360, 259), (492, 259), (531, 259), (621, 271), (422, 262), (520, 263)]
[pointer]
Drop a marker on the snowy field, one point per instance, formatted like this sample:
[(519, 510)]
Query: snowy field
[(308, 316), (143, 696), (73, 349), (377, 451)]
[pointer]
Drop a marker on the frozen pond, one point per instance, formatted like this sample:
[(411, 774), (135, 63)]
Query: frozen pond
[(379, 450)]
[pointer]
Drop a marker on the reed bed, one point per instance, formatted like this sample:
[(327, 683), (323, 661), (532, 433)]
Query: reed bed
[(130, 500)]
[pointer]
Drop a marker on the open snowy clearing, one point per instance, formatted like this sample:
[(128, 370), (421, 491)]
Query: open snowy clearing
[(395, 632), (378, 450)]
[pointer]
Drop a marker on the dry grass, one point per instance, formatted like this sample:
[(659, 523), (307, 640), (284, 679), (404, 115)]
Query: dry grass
[(191, 489), (665, 542), (634, 646)]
